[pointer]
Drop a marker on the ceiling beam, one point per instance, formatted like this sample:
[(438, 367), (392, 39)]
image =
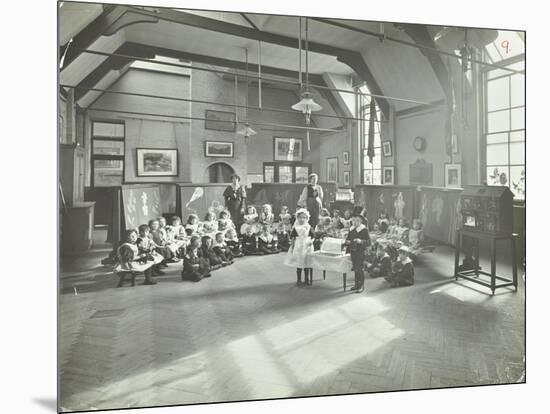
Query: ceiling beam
[(250, 22), (419, 33)]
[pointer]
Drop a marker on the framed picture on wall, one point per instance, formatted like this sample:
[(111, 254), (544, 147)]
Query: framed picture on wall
[(346, 178), (157, 162), (388, 175), (345, 157), (386, 148), (332, 169), (219, 121), (453, 175), (287, 149), (218, 149)]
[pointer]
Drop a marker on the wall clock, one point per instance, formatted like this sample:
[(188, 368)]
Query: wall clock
[(419, 143)]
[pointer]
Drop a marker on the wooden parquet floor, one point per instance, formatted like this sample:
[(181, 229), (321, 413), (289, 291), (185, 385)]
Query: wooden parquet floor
[(249, 333)]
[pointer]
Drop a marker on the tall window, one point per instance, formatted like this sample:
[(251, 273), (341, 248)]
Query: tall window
[(505, 115), (107, 153), (371, 172)]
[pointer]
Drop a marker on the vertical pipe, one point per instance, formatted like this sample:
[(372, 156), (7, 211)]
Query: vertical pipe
[(300, 52), (307, 56), (236, 99), (260, 74), (246, 96)]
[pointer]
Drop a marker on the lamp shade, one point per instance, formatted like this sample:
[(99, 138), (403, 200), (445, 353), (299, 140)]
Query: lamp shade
[(307, 104), (246, 131)]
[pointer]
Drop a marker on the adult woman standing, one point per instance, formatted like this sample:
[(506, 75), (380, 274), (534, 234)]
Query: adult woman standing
[(235, 197), (312, 199)]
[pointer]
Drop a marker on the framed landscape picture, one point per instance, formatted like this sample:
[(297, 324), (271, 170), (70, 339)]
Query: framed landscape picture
[(453, 175), (157, 162), (218, 149), (332, 169), (220, 121), (287, 149)]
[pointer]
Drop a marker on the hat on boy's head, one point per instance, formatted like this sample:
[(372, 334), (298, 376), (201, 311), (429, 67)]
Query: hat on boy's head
[(360, 212)]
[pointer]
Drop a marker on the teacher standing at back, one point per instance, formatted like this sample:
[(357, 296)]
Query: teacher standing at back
[(235, 198), (312, 199)]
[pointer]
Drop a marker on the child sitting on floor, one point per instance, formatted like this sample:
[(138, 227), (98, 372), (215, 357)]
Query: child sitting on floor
[(206, 252), (193, 226), (250, 221), (266, 242), (285, 218), (402, 270), (210, 223), (321, 231), (146, 246), (383, 222), (233, 243), (130, 260), (250, 243), (283, 238), (221, 249), (179, 229), (194, 267), (224, 222), (176, 246), (324, 213), (381, 266), (267, 216), (346, 221), (158, 236)]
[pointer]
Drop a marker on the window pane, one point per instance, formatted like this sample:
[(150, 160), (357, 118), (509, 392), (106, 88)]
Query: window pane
[(377, 140), (517, 136), (377, 177), (497, 175), (497, 154), (102, 147), (498, 121), (108, 173), (517, 153), (498, 94), (376, 161), (367, 177), (518, 118), (269, 173), (495, 138), (302, 174), (285, 174), (517, 181), (518, 90), (107, 129)]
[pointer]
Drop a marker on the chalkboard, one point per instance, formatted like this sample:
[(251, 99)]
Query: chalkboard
[(397, 201), (439, 211), (140, 204), (199, 199), (285, 194)]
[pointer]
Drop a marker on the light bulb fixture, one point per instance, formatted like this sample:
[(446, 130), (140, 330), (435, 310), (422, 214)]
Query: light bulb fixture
[(246, 131), (306, 105)]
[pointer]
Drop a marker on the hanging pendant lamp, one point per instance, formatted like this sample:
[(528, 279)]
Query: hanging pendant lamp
[(307, 104), (247, 131)]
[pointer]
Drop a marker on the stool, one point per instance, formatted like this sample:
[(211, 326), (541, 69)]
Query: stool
[(473, 274)]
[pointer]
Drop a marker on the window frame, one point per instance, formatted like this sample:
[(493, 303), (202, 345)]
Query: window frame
[(363, 133), (97, 157)]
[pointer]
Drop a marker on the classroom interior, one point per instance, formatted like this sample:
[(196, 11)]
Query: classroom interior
[(159, 108)]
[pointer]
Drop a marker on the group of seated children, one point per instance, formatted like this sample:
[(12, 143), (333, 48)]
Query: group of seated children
[(399, 272)]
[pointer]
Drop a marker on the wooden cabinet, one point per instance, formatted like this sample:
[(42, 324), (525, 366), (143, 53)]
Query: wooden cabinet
[(71, 173)]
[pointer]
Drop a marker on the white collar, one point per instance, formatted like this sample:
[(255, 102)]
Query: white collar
[(407, 260)]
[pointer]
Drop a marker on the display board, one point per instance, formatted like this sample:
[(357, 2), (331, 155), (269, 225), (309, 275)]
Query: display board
[(140, 203), (285, 194), (201, 198), (439, 211), (397, 200)]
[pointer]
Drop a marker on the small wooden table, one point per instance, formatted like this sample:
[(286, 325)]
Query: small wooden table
[(473, 274), (340, 264)]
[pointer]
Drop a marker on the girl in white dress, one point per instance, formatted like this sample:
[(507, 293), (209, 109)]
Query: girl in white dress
[(250, 221), (130, 260), (301, 245)]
